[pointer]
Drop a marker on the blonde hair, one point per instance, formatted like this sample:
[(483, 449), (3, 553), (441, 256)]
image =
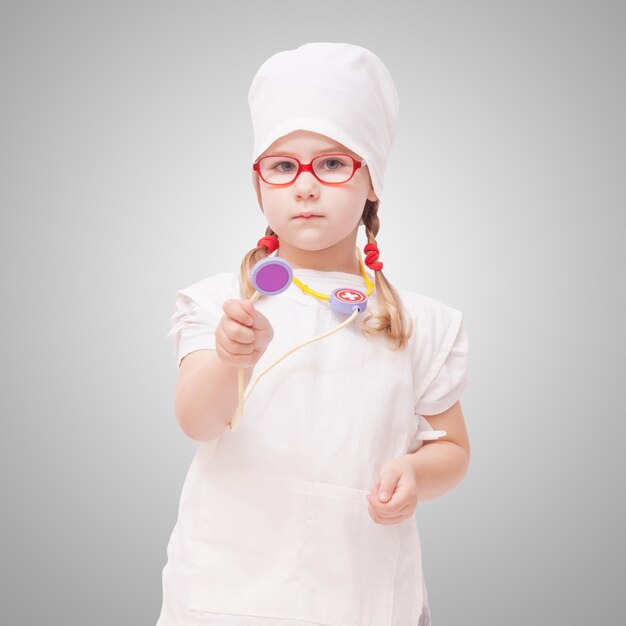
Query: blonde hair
[(391, 318)]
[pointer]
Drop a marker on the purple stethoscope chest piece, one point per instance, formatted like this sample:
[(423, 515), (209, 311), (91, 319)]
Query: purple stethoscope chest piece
[(271, 276)]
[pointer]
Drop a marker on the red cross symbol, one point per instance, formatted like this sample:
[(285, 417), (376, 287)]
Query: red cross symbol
[(350, 295)]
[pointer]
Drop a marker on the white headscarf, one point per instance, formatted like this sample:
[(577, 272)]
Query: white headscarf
[(340, 90)]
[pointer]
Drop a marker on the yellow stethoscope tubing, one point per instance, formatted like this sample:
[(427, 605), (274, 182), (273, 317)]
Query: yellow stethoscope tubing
[(323, 296)]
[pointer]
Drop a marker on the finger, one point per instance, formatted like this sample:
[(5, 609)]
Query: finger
[(373, 494), (379, 519), (237, 360), (248, 306), (238, 332), (235, 309), (389, 516), (259, 321), (391, 507), (377, 493), (374, 515), (230, 346), (389, 521), (381, 509), (387, 490), (402, 512)]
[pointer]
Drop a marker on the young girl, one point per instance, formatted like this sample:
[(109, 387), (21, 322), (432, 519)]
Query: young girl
[(305, 513)]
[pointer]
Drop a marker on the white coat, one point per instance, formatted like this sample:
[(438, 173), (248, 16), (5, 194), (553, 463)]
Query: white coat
[(273, 525)]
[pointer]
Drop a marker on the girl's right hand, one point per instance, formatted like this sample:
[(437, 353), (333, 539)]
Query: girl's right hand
[(243, 334)]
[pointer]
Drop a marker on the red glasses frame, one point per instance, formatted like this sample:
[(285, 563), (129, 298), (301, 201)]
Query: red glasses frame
[(307, 167)]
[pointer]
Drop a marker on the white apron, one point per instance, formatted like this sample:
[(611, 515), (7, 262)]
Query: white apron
[(273, 526)]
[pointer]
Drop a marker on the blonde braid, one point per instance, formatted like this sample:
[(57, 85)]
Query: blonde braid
[(391, 317)]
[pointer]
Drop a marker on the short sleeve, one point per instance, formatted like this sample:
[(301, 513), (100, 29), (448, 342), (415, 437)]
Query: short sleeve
[(448, 373), (197, 314)]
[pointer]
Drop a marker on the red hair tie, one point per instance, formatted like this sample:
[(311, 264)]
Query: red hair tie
[(270, 242), (372, 253)]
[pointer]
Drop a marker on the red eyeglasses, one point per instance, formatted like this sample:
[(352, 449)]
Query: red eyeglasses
[(330, 169)]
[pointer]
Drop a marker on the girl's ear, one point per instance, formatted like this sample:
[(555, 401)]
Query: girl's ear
[(257, 188)]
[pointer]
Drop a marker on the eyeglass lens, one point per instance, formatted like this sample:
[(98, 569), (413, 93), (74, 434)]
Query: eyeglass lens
[(329, 168)]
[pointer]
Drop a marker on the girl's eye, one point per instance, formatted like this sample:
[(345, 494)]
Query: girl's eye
[(333, 164), (289, 165)]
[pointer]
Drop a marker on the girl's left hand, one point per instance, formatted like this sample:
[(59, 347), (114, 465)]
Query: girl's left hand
[(397, 478)]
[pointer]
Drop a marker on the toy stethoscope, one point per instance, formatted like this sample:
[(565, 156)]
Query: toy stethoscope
[(272, 276)]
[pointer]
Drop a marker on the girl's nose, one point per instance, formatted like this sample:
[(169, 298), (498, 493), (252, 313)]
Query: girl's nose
[(306, 185)]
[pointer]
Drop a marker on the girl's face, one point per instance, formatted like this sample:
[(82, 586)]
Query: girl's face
[(339, 207)]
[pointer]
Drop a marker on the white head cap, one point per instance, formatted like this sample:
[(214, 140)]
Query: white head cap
[(340, 90)]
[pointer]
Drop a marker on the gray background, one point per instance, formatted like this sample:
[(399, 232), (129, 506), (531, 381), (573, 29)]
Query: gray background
[(125, 151)]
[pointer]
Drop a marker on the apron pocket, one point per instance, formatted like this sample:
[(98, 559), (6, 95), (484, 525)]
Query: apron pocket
[(349, 561), (247, 540)]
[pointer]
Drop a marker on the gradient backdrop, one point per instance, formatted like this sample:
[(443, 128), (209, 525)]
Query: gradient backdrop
[(125, 145)]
